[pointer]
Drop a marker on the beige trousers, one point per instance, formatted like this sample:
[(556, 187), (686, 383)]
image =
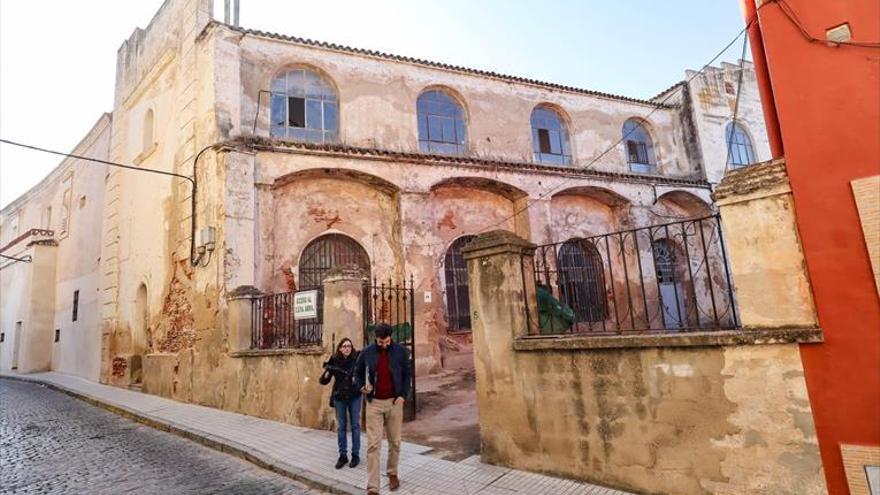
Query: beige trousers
[(382, 415)]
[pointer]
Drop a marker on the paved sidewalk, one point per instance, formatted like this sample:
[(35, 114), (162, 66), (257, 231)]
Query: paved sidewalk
[(308, 455)]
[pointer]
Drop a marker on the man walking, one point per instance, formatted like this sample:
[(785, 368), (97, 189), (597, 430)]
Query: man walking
[(386, 385)]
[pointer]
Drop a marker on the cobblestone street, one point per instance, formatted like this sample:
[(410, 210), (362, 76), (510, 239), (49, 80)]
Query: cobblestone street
[(51, 443)]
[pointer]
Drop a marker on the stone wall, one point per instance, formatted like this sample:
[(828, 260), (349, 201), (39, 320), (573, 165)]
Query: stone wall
[(692, 418)]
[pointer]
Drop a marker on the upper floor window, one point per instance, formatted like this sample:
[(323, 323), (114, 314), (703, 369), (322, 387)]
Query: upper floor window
[(740, 151), (304, 107), (550, 137), (639, 147), (441, 123)]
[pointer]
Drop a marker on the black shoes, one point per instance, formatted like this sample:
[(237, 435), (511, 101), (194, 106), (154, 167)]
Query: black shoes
[(355, 460), (343, 460)]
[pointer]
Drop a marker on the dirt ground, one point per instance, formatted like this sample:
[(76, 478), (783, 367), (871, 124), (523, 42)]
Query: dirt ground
[(446, 416)]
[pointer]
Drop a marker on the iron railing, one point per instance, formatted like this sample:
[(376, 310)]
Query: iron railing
[(274, 327), (394, 304), (662, 278)]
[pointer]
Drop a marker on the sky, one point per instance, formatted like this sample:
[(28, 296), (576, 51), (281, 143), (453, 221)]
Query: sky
[(58, 57)]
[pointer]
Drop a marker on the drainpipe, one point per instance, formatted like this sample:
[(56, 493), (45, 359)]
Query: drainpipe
[(762, 72)]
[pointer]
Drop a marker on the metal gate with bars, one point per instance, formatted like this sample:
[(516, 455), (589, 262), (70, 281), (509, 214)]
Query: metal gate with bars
[(393, 304)]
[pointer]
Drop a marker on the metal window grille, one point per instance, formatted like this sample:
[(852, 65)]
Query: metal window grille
[(458, 304), (662, 278), (639, 147), (581, 281)]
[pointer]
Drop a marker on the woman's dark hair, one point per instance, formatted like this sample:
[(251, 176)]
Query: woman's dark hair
[(339, 346)]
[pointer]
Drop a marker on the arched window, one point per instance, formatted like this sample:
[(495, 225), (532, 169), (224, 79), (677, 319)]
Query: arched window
[(326, 252), (740, 151), (582, 280), (304, 107), (639, 147), (148, 130), (458, 303), (441, 123), (550, 137)]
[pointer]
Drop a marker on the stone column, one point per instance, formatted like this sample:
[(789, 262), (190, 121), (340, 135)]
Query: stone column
[(240, 320), (35, 350), (343, 307), (766, 260), (503, 307)]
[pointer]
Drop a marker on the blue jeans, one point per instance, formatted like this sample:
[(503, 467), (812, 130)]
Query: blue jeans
[(348, 412)]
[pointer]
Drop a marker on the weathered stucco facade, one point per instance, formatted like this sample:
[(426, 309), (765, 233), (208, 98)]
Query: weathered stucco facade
[(58, 224), (193, 98)]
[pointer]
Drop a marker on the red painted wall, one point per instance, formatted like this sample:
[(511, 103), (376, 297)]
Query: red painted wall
[(827, 100)]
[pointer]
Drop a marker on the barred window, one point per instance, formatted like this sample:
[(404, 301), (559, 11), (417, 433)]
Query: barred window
[(327, 252), (458, 303), (550, 140), (639, 147), (582, 280), (441, 123), (304, 107), (740, 151)]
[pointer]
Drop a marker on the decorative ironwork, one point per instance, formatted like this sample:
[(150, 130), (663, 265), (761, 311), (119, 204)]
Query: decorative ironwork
[(670, 277), (394, 304), (274, 327), (458, 303)]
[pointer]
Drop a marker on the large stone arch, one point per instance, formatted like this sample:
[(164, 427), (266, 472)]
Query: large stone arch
[(585, 211), (310, 203), (683, 204)]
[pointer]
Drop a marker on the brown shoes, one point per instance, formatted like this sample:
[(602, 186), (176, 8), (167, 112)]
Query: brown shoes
[(372, 492), (393, 482)]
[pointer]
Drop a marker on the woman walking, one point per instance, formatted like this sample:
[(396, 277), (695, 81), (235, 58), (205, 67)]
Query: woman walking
[(345, 399)]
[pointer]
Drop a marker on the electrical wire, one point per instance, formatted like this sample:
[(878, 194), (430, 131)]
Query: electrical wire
[(194, 260), (26, 259), (97, 160), (793, 17), (657, 105)]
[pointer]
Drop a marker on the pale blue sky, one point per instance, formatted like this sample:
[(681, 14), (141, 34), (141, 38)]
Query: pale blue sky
[(57, 57)]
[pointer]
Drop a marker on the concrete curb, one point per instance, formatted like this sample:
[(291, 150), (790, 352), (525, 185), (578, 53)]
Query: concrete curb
[(254, 456)]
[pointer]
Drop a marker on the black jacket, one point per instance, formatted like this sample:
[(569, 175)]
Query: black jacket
[(401, 369), (341, 370)]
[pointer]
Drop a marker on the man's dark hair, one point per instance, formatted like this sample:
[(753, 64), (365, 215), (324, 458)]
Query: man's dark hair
[(383, 330)]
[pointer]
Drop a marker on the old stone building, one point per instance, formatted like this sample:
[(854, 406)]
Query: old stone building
[(50, 302), (307, 156)]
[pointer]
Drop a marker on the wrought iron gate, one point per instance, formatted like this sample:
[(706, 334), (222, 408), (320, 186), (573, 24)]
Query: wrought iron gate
[(393, 304)]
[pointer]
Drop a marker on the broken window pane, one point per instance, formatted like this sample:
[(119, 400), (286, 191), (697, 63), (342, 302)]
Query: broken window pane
[(302, 99), (296, 112), (549, 136), (639, 146), (543, 141)]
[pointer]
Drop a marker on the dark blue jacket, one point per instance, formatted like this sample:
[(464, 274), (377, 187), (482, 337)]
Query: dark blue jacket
[(401, 372)]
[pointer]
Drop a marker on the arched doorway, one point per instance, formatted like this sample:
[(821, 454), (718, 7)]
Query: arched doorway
[(139, 340), (670, 280), (458, 304), (582, 280), (327, 252)]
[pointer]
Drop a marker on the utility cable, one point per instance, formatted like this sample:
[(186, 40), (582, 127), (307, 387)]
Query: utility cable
[(26, 259), (192, 180), (657, 105)]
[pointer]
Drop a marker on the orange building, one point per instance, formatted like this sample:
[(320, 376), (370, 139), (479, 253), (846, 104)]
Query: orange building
[(818, 67)]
